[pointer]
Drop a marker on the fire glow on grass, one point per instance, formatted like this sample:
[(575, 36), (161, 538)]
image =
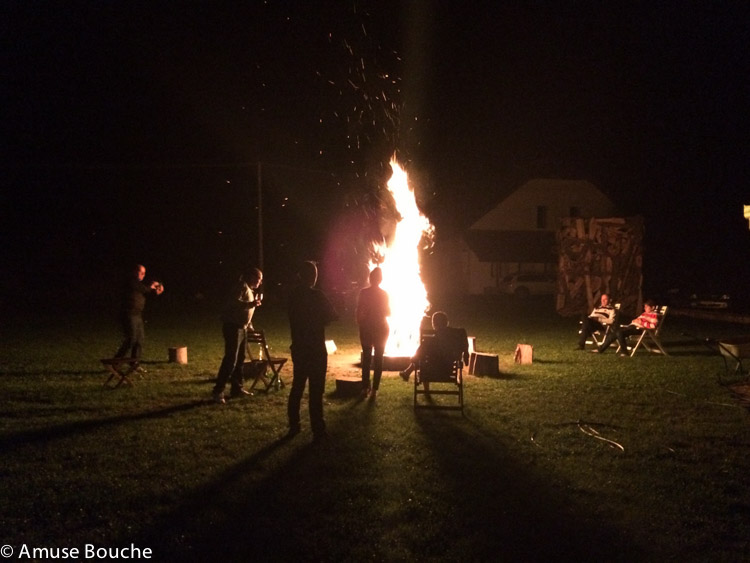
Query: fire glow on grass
[(400, 265)]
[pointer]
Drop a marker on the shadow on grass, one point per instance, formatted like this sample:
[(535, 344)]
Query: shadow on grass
[(508, 510), (501, 375), (235, 517), (43, 373), (52, 433), (464, 498)]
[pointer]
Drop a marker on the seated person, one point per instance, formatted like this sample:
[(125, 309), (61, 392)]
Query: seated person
[(447, 345), (603, 315), (646, 320)]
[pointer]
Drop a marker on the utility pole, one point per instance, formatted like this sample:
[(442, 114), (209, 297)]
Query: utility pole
[(260, 217)]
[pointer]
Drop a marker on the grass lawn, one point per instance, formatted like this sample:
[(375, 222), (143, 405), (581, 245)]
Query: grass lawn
[(575, 457)]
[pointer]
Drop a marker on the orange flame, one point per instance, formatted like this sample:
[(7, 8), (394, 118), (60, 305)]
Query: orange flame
[(401, 276)]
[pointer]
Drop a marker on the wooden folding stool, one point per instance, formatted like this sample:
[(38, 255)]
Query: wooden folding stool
[(119, 368), (260, 373)]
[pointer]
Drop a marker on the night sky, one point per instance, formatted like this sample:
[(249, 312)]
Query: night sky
[(131, 131)]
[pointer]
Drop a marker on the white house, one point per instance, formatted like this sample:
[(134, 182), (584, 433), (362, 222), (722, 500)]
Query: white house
[(518, 235)]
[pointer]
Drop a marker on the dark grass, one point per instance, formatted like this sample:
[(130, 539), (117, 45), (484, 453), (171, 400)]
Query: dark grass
[(518, 477)]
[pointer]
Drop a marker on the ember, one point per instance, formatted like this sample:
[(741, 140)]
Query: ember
[(400, 265)]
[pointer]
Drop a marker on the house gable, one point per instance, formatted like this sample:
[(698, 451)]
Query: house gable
[(519, 211), (512, 246)]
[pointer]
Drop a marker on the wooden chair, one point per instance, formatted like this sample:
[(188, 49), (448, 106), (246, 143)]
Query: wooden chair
[(649, 338), (264, 368), (119, 368), (436, 376)]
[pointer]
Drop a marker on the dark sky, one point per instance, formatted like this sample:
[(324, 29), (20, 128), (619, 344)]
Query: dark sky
[(132, 129)]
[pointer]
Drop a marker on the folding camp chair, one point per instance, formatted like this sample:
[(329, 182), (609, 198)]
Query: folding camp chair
[(119, 368), (598, 336), (735, 349), (649, 337), (265, 368), (437, 376)]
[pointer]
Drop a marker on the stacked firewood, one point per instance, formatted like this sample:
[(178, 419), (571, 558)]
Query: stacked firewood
[(600, 256)]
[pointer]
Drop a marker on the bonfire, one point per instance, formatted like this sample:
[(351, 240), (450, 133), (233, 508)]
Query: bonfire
[(399, 261)]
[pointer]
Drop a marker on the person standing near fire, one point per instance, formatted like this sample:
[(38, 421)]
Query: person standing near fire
[(237, 318), (131, 311), (310, 312), (373, 310)]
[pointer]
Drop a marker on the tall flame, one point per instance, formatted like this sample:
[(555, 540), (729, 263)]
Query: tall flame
[(400, 266)]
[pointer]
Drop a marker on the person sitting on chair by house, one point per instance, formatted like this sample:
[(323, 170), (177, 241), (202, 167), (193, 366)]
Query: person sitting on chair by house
[(602, 316), (646, 320), (448, 345)]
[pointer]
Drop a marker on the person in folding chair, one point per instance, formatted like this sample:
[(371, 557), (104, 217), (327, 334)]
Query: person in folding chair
[(237, 318), (448, 344), (602, 316), (646, 320)]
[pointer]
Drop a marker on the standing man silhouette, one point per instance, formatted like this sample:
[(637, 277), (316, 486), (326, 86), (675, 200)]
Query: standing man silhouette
[(131, 312), (237, 318), (309, 313), (373, 310)]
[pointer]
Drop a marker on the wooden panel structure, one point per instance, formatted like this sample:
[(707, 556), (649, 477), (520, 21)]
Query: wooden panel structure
[(600, 255)]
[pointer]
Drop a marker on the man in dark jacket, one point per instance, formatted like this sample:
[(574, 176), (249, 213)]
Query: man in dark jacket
[(131, 311), (237, 318), (309, 313)]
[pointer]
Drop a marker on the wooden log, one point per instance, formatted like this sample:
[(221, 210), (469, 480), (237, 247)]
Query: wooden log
[(178, 354), (524, 354), (394, 363), (481, 363), (348, 386)]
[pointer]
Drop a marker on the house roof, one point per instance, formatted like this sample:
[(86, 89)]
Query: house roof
[(512, 246), (518, 210)]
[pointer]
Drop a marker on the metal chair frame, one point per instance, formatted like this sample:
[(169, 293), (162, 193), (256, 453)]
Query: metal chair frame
[(430, 373), (649, 337), (598, 336)]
